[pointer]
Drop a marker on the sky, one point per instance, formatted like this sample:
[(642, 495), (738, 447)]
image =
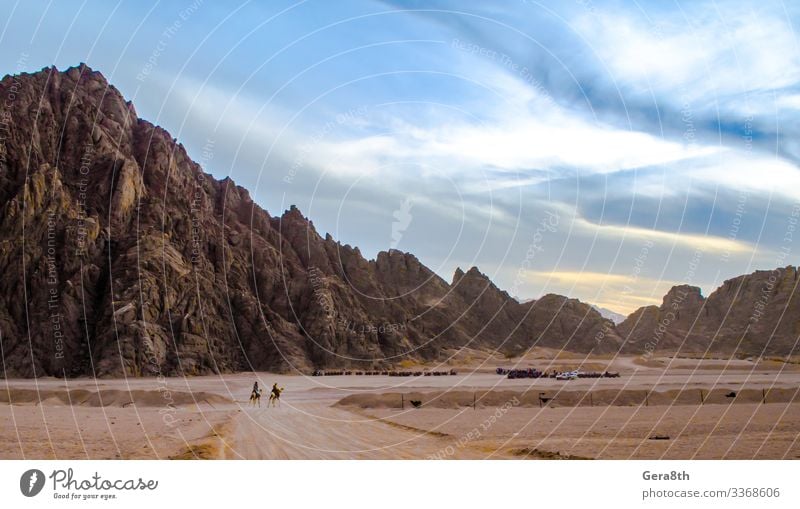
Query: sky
[(601, 150)]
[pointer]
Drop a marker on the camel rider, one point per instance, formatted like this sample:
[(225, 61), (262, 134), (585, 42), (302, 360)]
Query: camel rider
[(275, 390), (255, 388)]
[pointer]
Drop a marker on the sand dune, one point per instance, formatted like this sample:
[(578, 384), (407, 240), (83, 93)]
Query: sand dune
[(109, 398), (568, 398)]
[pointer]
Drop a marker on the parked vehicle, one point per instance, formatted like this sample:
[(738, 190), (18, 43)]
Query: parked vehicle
[(567, 375), (523, 373)]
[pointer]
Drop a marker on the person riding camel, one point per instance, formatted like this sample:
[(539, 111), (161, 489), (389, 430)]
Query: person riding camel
[(275, 390), (255, 388)]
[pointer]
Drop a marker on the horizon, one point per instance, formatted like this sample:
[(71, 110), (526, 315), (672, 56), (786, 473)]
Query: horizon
[(557, 148)]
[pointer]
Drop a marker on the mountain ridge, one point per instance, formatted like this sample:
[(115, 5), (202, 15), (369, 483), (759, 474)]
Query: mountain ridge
[(753, 314), (122, 257), (135, 262)]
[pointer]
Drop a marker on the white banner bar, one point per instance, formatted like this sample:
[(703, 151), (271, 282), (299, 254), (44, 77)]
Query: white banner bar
[(389, 484)]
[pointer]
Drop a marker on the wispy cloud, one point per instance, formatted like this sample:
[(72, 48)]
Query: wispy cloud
[(701, 52), (707, 243), (511, 135)]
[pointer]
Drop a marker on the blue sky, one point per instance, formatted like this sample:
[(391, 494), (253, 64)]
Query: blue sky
[(601, 150)]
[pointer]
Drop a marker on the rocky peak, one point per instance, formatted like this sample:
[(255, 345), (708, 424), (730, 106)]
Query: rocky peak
[(293, 214), (396, 259), (472, 277), (81, 71), (404, 271), (457, 275), (473, 274), (683, 296), (474, 286)]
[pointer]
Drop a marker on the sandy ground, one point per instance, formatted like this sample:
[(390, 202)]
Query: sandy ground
[(58, 432), (360, 417), (748, 431), (318, 431)]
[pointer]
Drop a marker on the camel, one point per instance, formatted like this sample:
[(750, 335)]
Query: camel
[(255, 397), (275, 396)]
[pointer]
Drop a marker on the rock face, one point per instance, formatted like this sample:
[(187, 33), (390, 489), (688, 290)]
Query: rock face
[(552, 321), (120, 256), (752, 315)]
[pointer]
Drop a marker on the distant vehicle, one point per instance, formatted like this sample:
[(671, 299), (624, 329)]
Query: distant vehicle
[(521, 373), (567, 375)]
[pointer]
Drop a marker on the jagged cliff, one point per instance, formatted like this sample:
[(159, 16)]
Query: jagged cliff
[(122, 257), (751, 315)]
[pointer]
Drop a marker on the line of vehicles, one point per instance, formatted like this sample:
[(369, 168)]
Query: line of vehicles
[(318, 372), (558, 375)]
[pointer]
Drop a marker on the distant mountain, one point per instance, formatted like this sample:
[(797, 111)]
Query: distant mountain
[(610, 315), (120, 256)]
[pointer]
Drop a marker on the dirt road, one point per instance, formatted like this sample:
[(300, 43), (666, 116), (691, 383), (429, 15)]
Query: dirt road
[(318, 431)]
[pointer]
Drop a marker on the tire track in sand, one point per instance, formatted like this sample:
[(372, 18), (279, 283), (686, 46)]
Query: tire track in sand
[(319, 431)]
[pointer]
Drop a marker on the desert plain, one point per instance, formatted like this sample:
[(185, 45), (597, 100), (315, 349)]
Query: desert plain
[(660, 407)]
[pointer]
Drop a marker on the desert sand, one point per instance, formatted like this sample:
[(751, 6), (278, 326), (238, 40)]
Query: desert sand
[(659, 408)]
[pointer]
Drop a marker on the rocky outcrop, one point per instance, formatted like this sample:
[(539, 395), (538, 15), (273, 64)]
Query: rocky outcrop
[(553, 321), (120, 256), (752, 315), (664, 327)]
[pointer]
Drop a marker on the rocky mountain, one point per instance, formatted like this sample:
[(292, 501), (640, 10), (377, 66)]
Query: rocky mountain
[(751, 315), (120, 256), (552, 321)]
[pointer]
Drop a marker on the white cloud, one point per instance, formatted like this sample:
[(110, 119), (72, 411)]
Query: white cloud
[(788, 101), (701, 54), (752, 172), (513, 138)]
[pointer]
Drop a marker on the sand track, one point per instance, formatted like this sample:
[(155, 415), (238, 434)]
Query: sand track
[(319, 431)]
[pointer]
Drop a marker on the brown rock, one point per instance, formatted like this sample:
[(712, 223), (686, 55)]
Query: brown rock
[(753, 315), (121, 257)]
